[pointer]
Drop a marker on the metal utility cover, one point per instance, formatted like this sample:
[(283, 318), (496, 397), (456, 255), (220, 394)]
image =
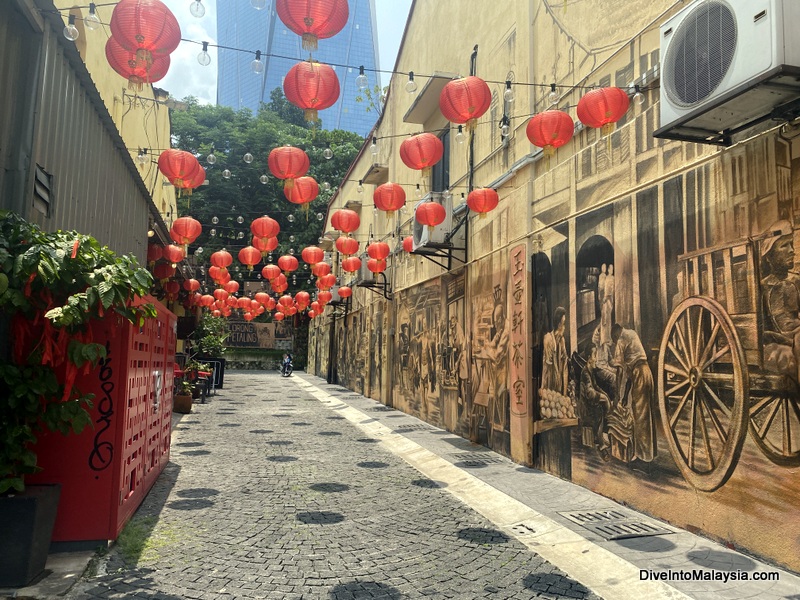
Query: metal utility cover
[(615, 524)]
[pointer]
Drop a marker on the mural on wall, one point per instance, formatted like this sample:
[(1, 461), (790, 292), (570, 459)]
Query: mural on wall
[(489, 421), (418, 368), (672, 362), (456, 397), (377, 349)]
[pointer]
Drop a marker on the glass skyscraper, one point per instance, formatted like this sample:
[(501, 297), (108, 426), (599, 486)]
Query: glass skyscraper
[(241, 26)]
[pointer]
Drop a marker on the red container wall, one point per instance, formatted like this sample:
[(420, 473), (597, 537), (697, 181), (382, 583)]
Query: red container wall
[(106, 472)]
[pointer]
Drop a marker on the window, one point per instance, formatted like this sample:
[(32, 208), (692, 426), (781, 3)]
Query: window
[(440, 173)]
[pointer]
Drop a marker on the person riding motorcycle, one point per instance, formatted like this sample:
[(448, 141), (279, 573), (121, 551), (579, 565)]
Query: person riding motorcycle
[(286, 365)]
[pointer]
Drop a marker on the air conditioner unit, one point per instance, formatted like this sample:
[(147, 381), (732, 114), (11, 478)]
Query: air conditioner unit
[(727, 65), (426, 237)]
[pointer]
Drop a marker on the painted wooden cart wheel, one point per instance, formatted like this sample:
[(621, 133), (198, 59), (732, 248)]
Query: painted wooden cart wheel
[(775, 423), (703, 388)]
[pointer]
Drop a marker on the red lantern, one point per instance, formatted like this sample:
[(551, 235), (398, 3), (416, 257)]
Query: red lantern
[(206, 300), (321, 268), (482, 201), (243, 303), (232, 301), (265, 245), (347, 220), (603, 107), (289, 163), (173, 254), (154, 253), (249, 256), (430, 214), (255, 305), (278, 316), (378, 250), (345, 291), (304, 190), (286, 301), (185, 230), (216, 313), (261, 297), (288, 263), (312, 314), (292, 310), (270, 272), (326, 282), (163, 271), (312, 19), (550, 129), (324, 297), (224, 277), (315, 306), (408, 244), (172, 288), (302, 299), (351, 264), (279, 284), (312, 254), (221, 259), (221, 294), (146, 27), (248, 316), (265, 227), (465, 100), (389, 197), (311, 86), (376, 266), (191, 285), (231, 287), (178, 166), (270, 303), (421, 152), (347, 245), (192, 182), (138, 73)]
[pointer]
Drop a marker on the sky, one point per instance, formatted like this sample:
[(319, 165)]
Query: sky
[(187, 77)]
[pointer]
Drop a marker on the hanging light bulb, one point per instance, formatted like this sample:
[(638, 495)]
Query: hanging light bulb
[(504, 126), (226, 174), (269, 258), (258, 4), (374, 146), (319, 240), (204, 58), (447, 194), (150, 233), (638, 96), (211, 159), (257, 66), (320, 216), (361, 80), (460, 134), (263, 179), (240, 235), (374, 211), (199, 250), (213, 233), (240, 219), (552, 97), (259, 275), (202, 271), (291, 238), (291, 251), (418, 192), (290, 218), (411, 85), (70, 31), (141, 158), (248, 158), (197, 9), (326, 186), (327, 153), (215, 220), (92, 21), (508, 95)]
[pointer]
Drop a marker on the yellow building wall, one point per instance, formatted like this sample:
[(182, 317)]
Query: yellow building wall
[(665, 239)]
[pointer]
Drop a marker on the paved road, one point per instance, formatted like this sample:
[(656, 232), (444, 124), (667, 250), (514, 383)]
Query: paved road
[(271, 493)]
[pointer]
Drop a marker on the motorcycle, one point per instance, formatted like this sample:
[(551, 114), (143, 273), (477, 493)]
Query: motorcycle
[(286, 368)]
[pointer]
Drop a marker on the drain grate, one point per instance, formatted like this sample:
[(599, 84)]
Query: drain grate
[(483, 458), (615, 524), (415, 427)]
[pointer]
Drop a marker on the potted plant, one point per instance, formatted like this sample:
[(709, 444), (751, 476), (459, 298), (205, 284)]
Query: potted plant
[(51, 286), (193, 370), (209, 341), (182, 402)]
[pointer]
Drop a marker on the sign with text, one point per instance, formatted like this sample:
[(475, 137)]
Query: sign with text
[(519, 357), (268, 336)]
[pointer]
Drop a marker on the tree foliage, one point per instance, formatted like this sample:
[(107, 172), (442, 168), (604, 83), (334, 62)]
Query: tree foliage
[(231, 134)]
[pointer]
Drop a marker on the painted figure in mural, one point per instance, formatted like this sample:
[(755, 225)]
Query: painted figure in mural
[(595, 401), (607, 307), (405, 342), (635, 388), (781, 290), (458, 345), (554, 361), (497, 351), (601, 290)]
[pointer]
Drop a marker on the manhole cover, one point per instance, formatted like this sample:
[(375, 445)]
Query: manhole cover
[(615, 524)]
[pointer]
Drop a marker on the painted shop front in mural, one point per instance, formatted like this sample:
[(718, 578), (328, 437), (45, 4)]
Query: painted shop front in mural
[(627, 318)]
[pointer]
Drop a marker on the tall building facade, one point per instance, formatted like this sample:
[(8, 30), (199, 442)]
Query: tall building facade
[(241, 26)]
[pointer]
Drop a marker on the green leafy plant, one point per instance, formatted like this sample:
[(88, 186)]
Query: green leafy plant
[(210, 336), (52, 286), (185, 387)]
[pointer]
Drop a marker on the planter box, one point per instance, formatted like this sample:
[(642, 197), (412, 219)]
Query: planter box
[(26, 526)]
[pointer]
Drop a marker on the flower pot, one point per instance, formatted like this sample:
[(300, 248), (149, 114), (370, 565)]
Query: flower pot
[(26, 526), (182, 403)]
